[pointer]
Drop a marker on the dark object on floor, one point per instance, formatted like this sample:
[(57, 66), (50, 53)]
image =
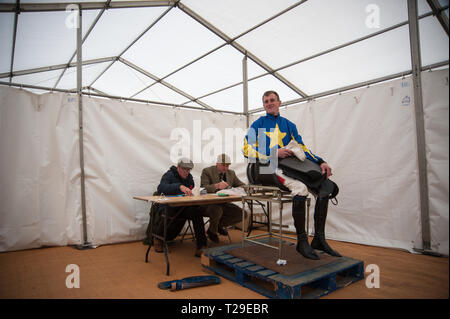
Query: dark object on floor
[(189, 282)]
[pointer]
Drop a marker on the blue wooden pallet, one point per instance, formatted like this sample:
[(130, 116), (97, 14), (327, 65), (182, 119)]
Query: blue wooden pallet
[(309, 284)]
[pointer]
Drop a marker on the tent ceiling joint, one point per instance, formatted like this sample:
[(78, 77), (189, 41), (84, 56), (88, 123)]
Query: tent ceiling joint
[(438, 12)]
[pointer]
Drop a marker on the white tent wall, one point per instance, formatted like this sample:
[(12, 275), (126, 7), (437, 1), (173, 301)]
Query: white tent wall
[(436, 104), (39, 170), (368, 138), (127, 148)]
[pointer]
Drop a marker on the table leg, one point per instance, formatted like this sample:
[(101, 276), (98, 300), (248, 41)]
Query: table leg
[(281, 231), (166, 214), (146, 254), (243, 221)]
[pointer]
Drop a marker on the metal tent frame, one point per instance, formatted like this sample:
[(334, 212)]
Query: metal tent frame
[(437, 11), (413, 22)]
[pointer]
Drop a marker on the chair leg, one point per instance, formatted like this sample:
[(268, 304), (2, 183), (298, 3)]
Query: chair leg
[(146, 254), (167, 260), (189, 227)]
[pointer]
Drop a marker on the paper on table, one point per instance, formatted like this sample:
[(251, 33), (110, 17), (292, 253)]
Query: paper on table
[(233, 191)]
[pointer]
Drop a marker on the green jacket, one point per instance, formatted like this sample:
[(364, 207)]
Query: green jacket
[(210, 177)]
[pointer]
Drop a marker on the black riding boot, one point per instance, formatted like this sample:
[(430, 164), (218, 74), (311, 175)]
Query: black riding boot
[(320, 217), (298, 213)]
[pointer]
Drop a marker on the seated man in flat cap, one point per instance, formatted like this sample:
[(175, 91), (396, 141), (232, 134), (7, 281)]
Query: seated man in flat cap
[(213, 179), (179, 181)]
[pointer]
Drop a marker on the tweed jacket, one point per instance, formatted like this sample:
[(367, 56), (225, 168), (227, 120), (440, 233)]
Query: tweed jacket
[(210, 177)]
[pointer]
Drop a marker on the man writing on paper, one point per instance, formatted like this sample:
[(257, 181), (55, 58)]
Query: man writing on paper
[(213, 179), (179, 181)]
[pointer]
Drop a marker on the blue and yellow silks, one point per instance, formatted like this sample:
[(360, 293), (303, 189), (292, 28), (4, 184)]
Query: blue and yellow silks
[(269, 133)]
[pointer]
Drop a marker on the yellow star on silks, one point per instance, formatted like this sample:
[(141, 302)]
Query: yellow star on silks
[(276, 137)]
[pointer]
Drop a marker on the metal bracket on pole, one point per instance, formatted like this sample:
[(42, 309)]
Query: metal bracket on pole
[(85, 244)]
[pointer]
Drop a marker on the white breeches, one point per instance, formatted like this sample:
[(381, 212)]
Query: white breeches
[(295, 186)]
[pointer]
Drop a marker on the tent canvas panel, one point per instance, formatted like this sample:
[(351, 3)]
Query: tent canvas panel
[(39, 170)]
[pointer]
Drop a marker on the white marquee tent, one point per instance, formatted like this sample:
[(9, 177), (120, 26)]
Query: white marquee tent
[(366, 82)]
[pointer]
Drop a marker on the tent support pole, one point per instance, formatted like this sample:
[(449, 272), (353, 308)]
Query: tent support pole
[(85, 244), (16, 18), (420, 126), (245, 88)]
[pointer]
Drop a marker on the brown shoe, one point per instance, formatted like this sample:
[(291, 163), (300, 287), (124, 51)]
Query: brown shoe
[(158, 244)]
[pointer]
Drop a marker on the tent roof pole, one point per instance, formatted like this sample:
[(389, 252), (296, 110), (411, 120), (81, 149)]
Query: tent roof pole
[(168, 85), (438, 11), (238, 47), (55, 67), (42, 7), (135, 40), (114, 97), (357, 85), (84, 39)]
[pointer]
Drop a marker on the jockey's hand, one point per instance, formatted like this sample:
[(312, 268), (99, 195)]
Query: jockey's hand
[(326, 168), (284, 152)]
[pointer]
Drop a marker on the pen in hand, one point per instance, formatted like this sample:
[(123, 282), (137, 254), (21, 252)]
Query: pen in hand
[(185, 190), (228, 186)]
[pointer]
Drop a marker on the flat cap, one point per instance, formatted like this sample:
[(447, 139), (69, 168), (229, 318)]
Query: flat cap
[(223, 159), (185, 163)]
